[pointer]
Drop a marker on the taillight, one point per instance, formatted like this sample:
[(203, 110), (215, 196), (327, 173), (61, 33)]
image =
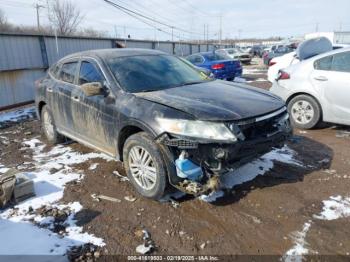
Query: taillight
[(282, 75), (272, 63), (217, 66)]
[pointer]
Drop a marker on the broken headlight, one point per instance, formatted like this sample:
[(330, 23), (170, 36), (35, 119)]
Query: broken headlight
[(197, 129)]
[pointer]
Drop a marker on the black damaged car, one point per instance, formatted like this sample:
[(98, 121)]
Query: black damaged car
[(169, 123)]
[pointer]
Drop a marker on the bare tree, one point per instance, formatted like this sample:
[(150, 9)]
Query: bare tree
[(3, 20), (65, 16)]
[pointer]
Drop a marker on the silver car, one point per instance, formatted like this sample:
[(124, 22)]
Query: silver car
[(317, 89)]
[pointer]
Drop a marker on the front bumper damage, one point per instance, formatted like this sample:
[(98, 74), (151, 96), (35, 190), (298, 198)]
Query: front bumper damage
[(255, 138)]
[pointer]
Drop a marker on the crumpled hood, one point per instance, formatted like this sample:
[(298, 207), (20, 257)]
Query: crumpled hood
[(217, 100)]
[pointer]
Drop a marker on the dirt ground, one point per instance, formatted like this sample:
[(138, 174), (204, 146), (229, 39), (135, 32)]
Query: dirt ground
[(264, 216)]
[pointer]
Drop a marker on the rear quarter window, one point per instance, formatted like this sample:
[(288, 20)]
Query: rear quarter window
[(68, 71), (324, 63)]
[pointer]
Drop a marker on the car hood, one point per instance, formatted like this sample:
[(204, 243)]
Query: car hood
[(217, 100)]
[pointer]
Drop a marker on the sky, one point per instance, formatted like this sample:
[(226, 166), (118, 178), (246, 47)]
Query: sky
[(188, 18)]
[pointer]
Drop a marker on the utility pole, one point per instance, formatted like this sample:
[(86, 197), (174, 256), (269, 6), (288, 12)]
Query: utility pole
[(172, 34), (220, 32), (204, 32), (37, 7), (316, 27)]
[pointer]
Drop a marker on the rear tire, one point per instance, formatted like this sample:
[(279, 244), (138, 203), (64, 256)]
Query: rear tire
[(305, 112), (145, 165), (48, 127)]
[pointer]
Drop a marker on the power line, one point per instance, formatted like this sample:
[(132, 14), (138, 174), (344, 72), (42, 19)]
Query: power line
[(130, 13), (137, 14)]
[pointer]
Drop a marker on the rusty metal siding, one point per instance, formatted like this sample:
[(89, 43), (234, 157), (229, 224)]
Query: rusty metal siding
[(68, 46), (18, 52), (18, 86)]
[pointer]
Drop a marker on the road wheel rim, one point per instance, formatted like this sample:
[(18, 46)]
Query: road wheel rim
[(48, 125), (302, 112), (142, 167)]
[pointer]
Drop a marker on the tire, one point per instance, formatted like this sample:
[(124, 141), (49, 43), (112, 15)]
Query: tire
[(48, 127), (305, 112), (134, 146)]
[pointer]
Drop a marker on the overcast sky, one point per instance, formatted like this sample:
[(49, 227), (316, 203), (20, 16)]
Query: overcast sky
[(240, 18)]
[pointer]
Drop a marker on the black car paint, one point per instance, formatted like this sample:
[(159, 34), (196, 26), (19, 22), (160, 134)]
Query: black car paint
[(105, 121)]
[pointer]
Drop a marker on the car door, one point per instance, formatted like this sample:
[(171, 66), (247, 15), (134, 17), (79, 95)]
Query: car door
[(95, 117), (61, 106), (332, 77)]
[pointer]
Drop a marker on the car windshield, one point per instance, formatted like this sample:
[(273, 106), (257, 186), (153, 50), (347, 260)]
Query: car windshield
[(146, 73), (231, 51), (216, 56)]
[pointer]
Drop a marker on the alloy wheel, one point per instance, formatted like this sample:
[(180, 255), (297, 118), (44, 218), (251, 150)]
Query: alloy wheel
[(142, 167)]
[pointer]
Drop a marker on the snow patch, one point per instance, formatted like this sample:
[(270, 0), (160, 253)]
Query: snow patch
[(18, 115), (298, 250), (334, 208), (253, 169), (18, 236)]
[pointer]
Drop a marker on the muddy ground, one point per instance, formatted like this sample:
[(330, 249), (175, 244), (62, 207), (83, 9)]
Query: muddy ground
[(261, 216)]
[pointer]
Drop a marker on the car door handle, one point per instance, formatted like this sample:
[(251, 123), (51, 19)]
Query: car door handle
[(49, 89), (76, 98), (321, 78)]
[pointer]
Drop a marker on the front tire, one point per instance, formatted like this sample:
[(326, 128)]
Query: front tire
[(305, 112), (49, 128), (145, 165)]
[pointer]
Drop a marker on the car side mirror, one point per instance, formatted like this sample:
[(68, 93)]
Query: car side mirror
[(92, 89)]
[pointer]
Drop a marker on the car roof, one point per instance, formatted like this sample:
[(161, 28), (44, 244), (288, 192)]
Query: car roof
[(332, 52), (114, 53)]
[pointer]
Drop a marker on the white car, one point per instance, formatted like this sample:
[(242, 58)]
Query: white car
[(317, 89), (279, 63), (286, 60)]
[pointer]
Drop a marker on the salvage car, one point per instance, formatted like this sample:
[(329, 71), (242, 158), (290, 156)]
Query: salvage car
[(168, 123), (317, 89), (221, 65)]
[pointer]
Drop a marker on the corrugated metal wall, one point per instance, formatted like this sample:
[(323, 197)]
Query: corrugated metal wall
[(25, 58)]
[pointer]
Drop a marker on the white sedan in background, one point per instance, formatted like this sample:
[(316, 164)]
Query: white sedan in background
[(317, 89)]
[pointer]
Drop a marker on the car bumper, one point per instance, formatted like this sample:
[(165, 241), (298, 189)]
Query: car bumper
[(278, 89), (226, 75), (217, 159)]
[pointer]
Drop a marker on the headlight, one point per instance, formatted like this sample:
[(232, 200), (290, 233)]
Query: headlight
[(197, 129)]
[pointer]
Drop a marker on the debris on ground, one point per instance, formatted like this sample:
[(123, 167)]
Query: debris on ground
[(122, 178), (99, 197), (343, 134), (15, 186), (130, 198), (148, 244), (86, 252)]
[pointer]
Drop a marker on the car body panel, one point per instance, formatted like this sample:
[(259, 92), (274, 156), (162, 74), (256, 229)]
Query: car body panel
[(229, 101), (329, 88), (231, 69)]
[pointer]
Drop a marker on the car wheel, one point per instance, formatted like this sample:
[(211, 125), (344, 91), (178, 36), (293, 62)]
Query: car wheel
[(48, 127), (305, 112), (145, 166)]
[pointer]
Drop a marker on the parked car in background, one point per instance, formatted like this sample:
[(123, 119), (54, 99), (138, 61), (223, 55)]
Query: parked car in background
[(317, 89), (257, 50), (236, 53), (279, 51), (278, 63), (221, 65), (205, 71), (160, 116)]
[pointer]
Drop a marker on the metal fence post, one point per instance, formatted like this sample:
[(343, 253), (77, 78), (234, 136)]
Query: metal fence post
[(43, 52)]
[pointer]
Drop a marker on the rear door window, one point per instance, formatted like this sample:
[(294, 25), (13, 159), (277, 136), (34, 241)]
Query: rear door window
[(68, 72), (341, 62), (324, 63), (89, 73)]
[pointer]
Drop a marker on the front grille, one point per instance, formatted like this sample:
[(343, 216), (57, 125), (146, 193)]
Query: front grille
[(264, 128)]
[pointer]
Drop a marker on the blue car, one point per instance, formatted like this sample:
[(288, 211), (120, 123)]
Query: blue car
[(222, 66)]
